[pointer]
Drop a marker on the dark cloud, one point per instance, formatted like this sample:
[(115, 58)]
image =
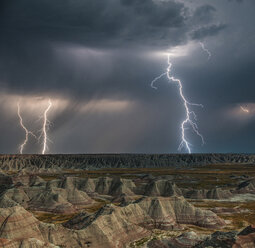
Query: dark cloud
[(207, 31), (101, 23), (204, 14), (31, 32), (93, 21), (239, 1), (92, 52)]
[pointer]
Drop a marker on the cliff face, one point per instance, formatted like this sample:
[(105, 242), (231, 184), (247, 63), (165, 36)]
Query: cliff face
[(56, 162)]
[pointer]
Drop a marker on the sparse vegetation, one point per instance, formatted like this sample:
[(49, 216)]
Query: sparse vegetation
[(52, 217), (238, 220)]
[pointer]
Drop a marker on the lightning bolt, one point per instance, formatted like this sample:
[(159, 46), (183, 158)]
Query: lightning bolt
[(27, 132), (45, 128), (245, 109), (190, 119), (205, 49)]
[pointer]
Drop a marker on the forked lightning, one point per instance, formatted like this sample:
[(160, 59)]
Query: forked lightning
[(205, 49), (190, 119), (45, 128), (27, 132)]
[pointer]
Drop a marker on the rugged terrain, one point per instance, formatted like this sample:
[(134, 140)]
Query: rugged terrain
[(127, 201), (103, 161)]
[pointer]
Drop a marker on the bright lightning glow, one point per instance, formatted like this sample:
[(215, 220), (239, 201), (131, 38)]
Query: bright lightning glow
[(190, 115), (45, 128), (245, 109), (27, 132), (205, 49)]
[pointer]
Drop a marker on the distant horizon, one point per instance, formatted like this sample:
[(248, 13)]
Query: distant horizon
[(85, 154)]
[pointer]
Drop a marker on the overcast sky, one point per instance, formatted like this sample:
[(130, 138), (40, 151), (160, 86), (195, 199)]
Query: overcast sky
[(95, 60)]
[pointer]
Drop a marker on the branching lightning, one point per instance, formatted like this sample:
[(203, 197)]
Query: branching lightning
[(191, 117), (27, 132), (45, 128), (205, 49), (245, 109)]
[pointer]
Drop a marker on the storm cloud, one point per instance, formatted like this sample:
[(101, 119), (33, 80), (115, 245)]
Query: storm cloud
[(103, 23), (33, 33), (95, 59)]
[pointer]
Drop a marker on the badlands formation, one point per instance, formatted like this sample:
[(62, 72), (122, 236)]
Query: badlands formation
[(115, 201)]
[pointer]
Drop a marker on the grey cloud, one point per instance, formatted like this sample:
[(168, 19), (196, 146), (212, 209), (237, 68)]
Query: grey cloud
[(239, 1), (164, 14), (32, 29), (207, 31), (204, 14), (102, 23), (43, 52)]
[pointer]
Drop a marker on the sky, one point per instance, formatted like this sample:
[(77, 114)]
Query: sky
[(95, 60)]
